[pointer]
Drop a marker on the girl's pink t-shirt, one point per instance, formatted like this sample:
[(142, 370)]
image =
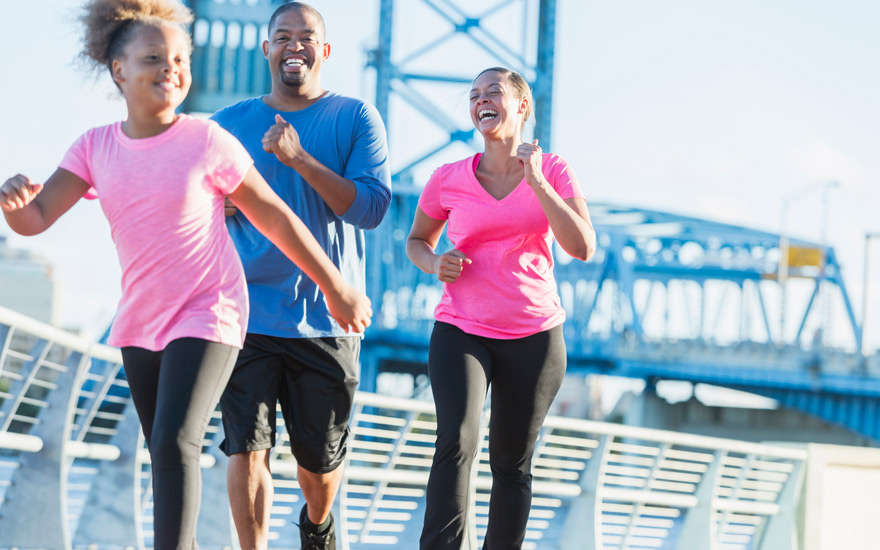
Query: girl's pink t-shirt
[(163, 197), (509, 290)]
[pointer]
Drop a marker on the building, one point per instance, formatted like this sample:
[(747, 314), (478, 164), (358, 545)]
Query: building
[(27, 283)]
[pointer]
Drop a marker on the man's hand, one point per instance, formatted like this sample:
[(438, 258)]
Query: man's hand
[(282, 140)]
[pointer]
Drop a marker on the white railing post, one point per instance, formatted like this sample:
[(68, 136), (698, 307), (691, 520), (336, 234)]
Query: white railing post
[(583, 527), (470, 538), (781, 532), (215, 529), (18, 389), (699, 531), (40, 482), (112, 515)]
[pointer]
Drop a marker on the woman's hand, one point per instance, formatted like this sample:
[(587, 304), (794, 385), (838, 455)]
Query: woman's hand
[(530, 156), (350, 308), (450, 264), (17, 192)]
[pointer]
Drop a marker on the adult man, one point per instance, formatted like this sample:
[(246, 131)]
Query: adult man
[(326, 156)]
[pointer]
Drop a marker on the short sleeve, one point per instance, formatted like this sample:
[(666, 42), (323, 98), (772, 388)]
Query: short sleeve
[(429, 200), (561, 177), (76, 161), (228, 160)]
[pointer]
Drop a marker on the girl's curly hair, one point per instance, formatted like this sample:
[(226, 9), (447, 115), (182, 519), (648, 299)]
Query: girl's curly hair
[(110, 24)]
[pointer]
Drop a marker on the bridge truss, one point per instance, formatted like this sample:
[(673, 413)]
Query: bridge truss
[(667, 296)]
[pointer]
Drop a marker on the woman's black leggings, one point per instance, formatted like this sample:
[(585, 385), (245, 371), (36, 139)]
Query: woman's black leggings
[(175, 391), (525, 375)]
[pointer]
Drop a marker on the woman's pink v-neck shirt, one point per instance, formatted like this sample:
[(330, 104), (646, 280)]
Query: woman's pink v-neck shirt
[(163, 197), (508, 291)]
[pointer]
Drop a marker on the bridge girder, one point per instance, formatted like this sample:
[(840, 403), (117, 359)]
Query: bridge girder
[(666, 296)]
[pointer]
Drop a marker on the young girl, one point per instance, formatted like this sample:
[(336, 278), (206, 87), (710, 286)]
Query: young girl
[(499, 320), (161, 179)]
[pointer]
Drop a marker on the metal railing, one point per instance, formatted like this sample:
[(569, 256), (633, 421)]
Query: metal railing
[(74, 473)]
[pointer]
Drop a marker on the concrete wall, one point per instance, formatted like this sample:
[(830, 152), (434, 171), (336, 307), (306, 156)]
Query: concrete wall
[(841, 499)]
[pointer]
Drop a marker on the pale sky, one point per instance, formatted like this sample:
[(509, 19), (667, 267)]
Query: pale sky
[(711, 109)]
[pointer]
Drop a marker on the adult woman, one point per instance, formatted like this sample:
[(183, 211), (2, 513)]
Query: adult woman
[(161, 179), (499, 320)]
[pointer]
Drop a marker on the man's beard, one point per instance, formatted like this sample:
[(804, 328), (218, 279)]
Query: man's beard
[(294, 80)]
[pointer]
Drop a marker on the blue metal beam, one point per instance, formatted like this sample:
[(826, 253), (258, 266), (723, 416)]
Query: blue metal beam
[(395, 71), (605, 332), (543, 84)]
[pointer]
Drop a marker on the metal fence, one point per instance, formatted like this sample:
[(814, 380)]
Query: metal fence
[(74, 471)]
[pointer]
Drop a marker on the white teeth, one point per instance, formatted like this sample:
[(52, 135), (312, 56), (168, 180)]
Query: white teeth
[(294, 62), (486, 113)]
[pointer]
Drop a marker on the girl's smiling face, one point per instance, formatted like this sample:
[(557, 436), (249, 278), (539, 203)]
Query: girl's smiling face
[(154, 71)]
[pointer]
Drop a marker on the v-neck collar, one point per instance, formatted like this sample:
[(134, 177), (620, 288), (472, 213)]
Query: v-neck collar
[(472, 174)]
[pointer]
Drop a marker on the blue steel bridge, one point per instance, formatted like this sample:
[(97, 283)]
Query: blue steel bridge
[(666, 297)]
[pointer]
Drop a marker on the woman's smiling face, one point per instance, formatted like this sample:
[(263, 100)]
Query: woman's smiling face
[(496, 107)]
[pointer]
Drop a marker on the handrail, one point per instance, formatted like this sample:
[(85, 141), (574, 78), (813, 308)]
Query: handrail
[(665, 436), (20, 442), (589, 467), (67, 339)]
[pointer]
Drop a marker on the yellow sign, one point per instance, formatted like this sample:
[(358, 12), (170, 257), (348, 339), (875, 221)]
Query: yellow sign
[(802, 256)]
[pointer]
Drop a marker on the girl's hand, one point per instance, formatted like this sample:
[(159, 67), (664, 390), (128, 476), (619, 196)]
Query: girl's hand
[(229, 207), (450, 264), (18, 192), (350, 308), (529, 155)]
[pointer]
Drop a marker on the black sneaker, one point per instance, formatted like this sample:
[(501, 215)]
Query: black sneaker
[(315, 541)]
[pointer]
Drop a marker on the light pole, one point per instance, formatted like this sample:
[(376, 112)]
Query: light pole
[(782, 272), (865, 282)]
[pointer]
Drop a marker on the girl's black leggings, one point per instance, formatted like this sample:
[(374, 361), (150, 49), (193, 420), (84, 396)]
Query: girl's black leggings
[(525, 375), (175, 391)]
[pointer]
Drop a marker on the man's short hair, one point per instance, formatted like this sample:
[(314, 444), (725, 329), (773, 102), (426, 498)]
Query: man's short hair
[(302, 7)]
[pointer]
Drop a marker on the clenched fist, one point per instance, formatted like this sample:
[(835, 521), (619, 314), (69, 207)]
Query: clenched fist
[(282, 140), (18, 192), (450, 265)]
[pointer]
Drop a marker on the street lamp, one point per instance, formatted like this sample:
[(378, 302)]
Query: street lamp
[(862, 344), (782, 273)]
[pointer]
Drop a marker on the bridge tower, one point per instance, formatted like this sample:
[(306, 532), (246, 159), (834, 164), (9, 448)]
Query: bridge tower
[(667, 297), (429, 49)]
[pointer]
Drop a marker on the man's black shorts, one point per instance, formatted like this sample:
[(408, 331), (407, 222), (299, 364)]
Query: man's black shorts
[(314, 379)]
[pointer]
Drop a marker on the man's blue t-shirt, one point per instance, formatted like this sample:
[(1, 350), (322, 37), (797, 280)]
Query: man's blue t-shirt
[(347, 136)]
